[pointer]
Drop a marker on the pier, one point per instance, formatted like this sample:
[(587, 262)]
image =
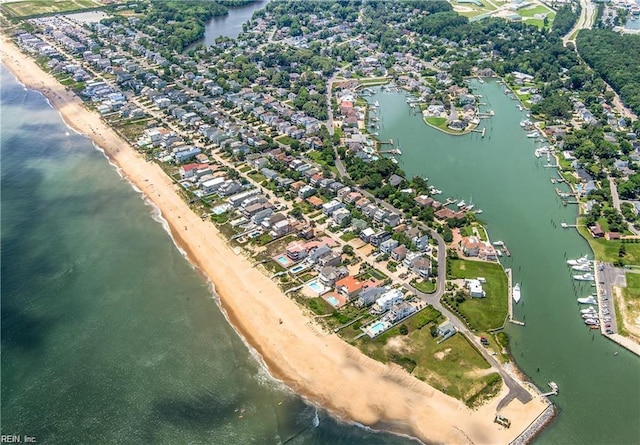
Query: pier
[(564, 225), (389, 142), (554, 390), (510, 299), (482, 132)]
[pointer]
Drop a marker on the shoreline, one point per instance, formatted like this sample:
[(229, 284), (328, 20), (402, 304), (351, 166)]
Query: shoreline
[(320, 367)]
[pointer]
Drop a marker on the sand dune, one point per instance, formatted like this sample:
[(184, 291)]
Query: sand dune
[(316, 365)]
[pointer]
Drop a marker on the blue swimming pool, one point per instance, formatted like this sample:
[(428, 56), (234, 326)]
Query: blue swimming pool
[(283, 260), (315, 286), (298, 268), (376, 329), (333, 301)]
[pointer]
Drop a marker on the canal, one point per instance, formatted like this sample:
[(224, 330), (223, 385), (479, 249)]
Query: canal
[(599, 399)]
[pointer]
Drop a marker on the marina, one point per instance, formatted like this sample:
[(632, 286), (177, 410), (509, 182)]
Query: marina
[(554, 340)]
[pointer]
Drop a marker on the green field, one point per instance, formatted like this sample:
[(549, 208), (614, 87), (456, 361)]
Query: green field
[(471, 9), (530, 12), (453, 366), (631, 300), (40, 7), (609, 250), (489, 312), (427, 287)]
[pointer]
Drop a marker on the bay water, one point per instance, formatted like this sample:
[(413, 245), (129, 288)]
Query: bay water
[(599, 399), (108, 334)]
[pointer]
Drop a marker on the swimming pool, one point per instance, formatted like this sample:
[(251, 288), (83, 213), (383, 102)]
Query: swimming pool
[(318, 288), (283, 260), (219, 210), (298, 268), (333, 301), (376, 329)]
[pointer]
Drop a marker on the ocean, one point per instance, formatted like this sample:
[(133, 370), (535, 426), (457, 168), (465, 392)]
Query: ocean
[(108, 334)]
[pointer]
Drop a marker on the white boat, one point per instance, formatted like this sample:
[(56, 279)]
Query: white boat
[(461, 204), (592, 315), (591, 321), (470, 207), (581, 260), (516, 293), (589, 310), (584, 277), (582, 267), (477, 212), (498, 243), (533, 134), (587, 300)]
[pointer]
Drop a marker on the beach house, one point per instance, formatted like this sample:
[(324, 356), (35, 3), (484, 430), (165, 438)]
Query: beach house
[(388, 299)]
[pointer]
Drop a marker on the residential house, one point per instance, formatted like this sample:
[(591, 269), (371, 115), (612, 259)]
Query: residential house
[(422, 267), (331, 206), (388, 245), (330, 274), (341, 216), (366, 234), (475, 287), (399, 253), (349, 286), (446, 330), (387, 300), (378, 238), (400, 311), (369, 296)]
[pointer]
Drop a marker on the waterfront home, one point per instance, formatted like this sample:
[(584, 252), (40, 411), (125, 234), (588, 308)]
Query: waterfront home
[(329, 275), (369, 296), (387, 300), (349, 286), (297, 250), (238, 199), (475, 288), (446, 330), (424, 200), (316, 253), (400, 311), (473, 247), (332, 259)]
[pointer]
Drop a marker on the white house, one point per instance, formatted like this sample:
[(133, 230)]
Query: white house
[(388, 299)]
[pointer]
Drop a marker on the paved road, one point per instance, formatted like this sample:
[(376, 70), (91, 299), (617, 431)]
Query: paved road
[(585, 21)]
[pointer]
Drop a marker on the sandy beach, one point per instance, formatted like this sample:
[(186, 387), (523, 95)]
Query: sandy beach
[(319, 366)]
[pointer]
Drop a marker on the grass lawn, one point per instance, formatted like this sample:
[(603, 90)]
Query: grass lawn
[(454, 366), (530, 12), (286, 140), (348, 236), (38, 7), (489, 312), (631, 296), (372, 81), (245, 169), (427, 286), (608, 250), (258, 177), (316, 156), (474, 10), (438, 122)]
